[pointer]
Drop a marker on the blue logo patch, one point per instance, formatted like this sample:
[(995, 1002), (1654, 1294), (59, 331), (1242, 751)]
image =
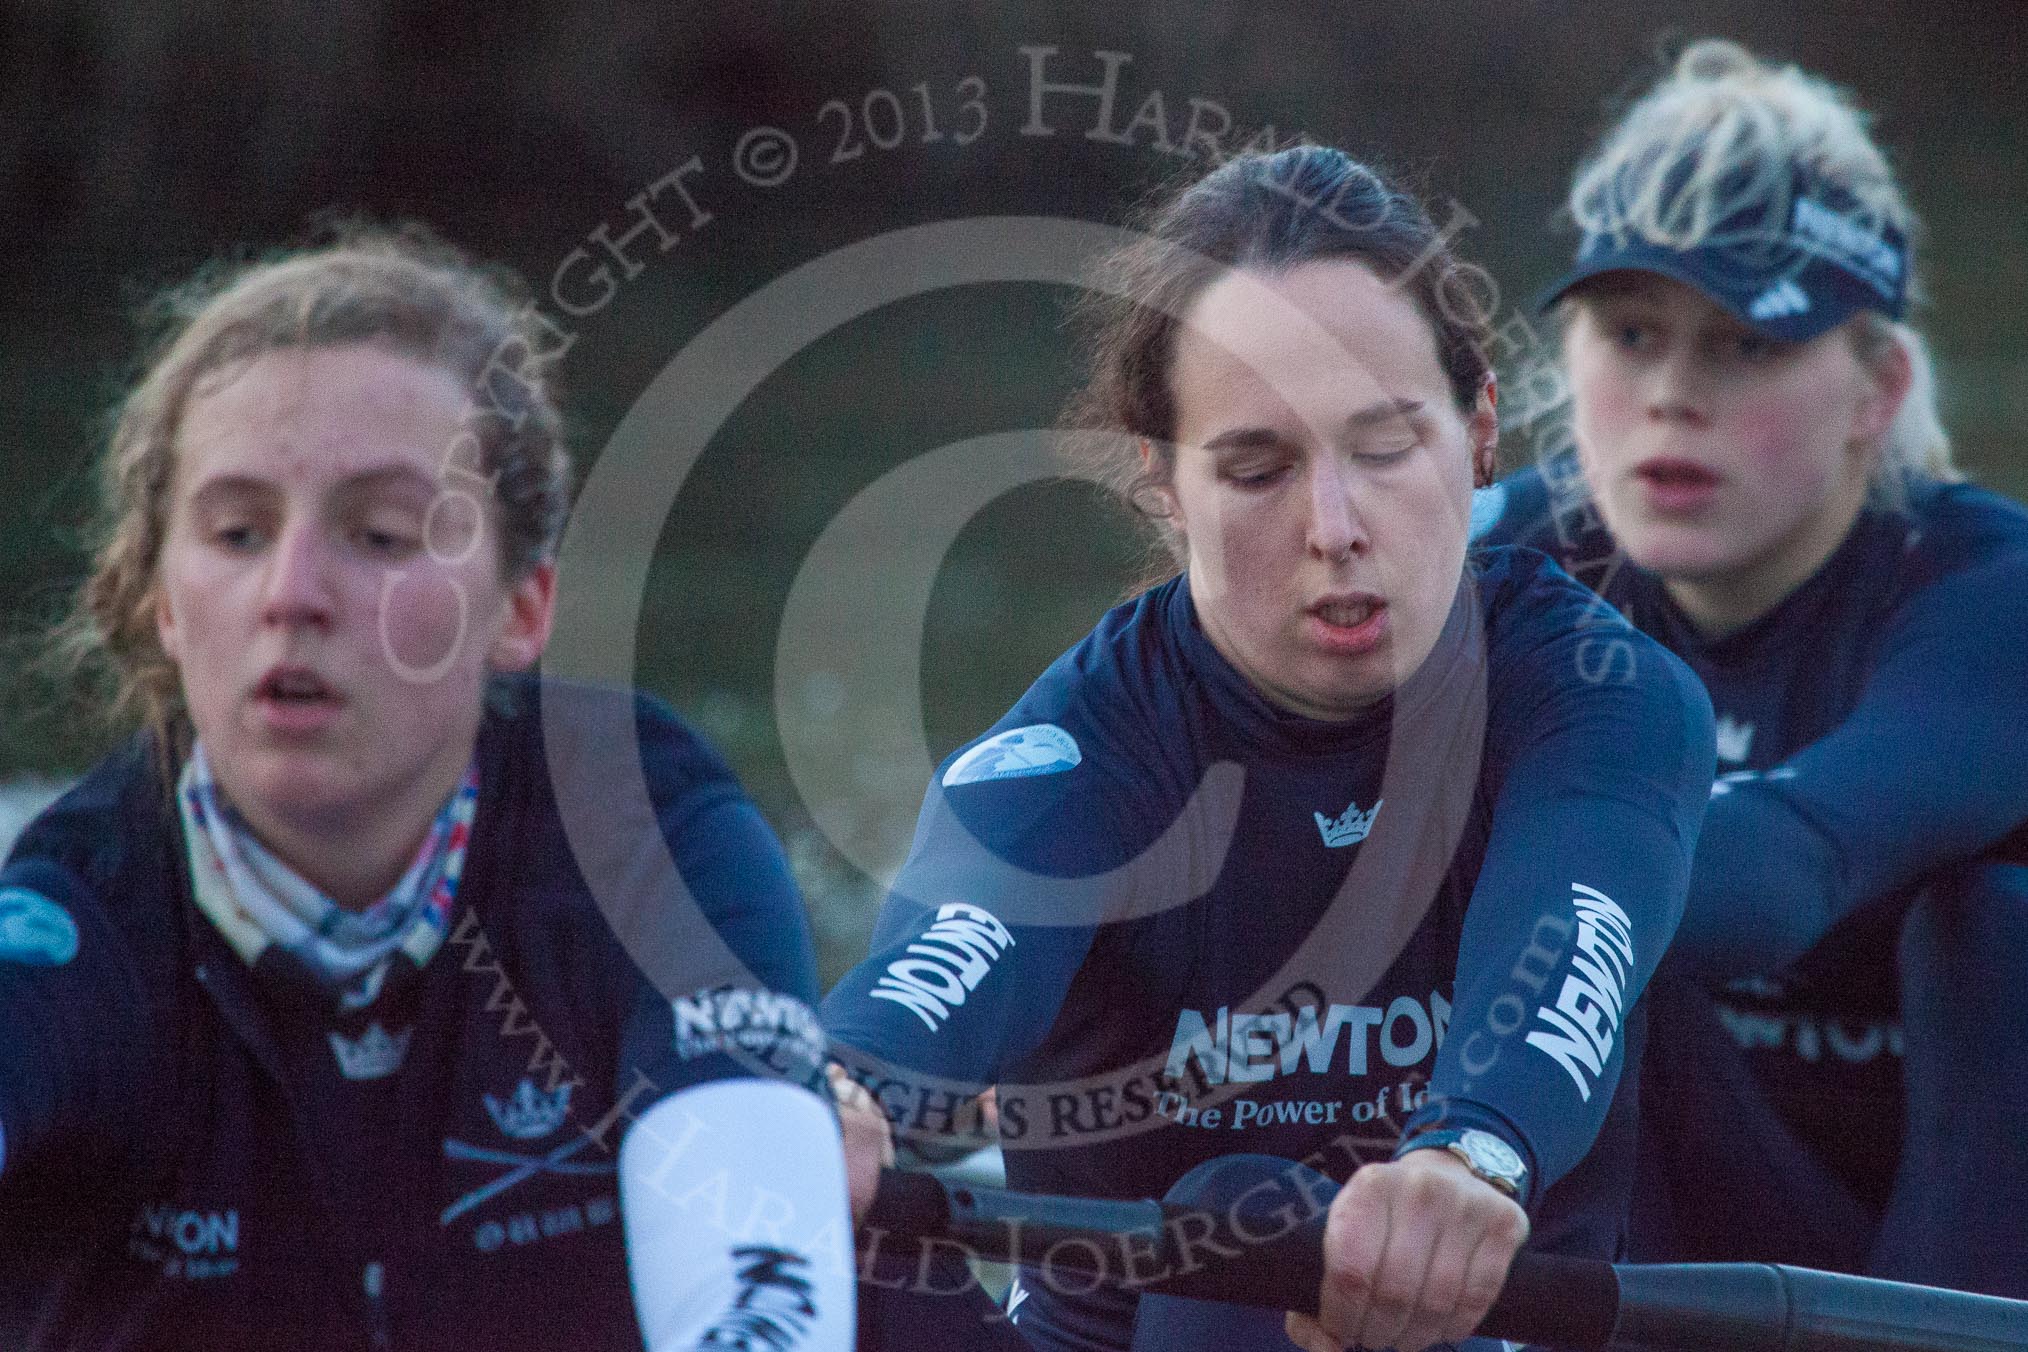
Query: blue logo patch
[(1040, 749), (34, 929), (1488, 504)]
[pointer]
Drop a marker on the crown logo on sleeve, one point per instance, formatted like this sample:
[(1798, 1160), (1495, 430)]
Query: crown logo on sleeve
[(1348, 828), (530, 1114), (375, 1055)]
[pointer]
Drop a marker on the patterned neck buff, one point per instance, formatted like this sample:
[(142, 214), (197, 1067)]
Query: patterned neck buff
[(256, 900)]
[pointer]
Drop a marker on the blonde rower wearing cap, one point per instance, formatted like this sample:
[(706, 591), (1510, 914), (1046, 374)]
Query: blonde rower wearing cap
[(1753, 470)]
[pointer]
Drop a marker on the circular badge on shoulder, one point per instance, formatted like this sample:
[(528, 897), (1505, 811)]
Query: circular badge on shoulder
[(35, 930)]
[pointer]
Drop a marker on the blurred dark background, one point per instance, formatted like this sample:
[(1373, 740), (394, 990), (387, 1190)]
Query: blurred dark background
[(139, 140)]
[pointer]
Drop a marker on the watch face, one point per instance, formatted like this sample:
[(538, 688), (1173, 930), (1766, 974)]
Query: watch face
[(1490, 1153)]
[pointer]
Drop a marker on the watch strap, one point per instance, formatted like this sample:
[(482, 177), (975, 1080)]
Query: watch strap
[(1453, 1140)]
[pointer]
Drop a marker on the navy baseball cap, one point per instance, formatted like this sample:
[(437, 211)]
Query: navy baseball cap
[(1790, 275)]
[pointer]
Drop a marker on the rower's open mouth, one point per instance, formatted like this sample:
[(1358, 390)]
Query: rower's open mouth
[(1347, 614), (295, 685)]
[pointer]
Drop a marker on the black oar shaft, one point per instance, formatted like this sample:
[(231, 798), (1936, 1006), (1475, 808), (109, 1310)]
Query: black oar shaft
[(1762, 1307), (1272, 1256), (1267, 1256)]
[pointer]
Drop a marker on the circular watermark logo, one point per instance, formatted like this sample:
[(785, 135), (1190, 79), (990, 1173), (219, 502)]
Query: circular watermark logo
[(854, 623), (848, 666), (1330, 1036)]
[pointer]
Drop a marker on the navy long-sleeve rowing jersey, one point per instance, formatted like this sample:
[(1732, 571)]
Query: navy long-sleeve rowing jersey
[(1860, 723), (1868, 744), (1171, 922), (202, 1153)]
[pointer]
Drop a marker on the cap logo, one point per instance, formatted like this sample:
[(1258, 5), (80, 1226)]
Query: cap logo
[(1849, 243), (1779, 301)]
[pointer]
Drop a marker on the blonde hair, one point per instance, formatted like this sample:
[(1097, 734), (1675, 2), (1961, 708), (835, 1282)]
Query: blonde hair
[(1718, 140), (402, 291)]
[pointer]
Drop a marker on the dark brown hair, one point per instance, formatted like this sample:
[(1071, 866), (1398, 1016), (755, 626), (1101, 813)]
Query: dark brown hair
[(1270, 212)]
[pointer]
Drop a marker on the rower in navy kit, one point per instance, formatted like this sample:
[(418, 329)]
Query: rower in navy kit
[(333, 1012), (1757, 476), (1338, 844)]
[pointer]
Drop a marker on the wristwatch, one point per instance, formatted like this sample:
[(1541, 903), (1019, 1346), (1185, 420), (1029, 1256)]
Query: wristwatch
[(1483, 1153)]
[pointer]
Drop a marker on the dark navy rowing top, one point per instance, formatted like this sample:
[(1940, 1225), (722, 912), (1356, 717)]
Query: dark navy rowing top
[(199, 1153), (1171, 921), (1869, 746)]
